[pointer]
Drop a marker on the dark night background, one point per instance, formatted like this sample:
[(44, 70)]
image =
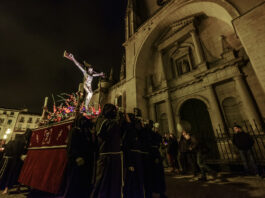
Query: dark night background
[(34, 35)]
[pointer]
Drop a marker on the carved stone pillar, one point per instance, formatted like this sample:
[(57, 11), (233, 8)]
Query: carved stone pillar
[(248, 103), (160, 64), (131, 22), (127, 34), (152, 112), (215, 112), (197, 46), (170, 116)]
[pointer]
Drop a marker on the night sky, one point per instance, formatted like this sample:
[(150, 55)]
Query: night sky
[(34, 35)]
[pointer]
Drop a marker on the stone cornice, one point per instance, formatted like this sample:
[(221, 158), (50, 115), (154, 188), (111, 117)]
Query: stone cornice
[(198, 77), (154, 93), (220, 67)]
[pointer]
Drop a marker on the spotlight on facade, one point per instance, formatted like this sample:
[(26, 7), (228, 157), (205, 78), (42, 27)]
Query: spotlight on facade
[(5, 137)]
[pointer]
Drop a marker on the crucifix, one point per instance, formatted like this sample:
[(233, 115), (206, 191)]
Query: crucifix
[(88, 73)]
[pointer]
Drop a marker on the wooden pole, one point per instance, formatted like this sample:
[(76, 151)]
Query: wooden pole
[(44, 109)]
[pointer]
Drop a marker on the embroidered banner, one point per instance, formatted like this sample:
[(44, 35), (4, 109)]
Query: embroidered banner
[(52, 136)]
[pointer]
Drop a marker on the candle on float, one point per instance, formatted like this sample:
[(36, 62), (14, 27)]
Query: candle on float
[(46, 101)]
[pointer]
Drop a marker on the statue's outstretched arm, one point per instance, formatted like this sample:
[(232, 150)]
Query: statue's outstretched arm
[(98, 74), (72, 58)]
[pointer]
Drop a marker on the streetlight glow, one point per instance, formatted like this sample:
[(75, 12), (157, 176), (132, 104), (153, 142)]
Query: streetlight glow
[(8, 131)]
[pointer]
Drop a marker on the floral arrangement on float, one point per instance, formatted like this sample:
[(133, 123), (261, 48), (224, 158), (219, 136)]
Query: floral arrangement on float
[(69, 103)]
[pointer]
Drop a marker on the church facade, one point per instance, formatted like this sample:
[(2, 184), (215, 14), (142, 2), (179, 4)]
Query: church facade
[(201, 61)]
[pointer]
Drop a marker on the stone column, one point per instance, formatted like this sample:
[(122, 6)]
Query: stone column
[(248, 103), (127, 27), (131, 17), (159, 61), (170, 116), (197, 46), (218, 124), (177, 121), (216, 116), (152, 112)]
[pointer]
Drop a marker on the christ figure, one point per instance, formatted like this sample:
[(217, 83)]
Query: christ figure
[(88, 76)]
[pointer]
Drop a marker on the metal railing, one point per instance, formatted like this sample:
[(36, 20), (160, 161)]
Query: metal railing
[(229, 153)]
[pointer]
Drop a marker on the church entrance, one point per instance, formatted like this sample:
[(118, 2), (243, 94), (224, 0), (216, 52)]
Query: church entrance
[(195, 112)]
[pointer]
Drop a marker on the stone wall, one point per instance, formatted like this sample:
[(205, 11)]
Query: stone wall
[(251, 30), (255, 88)]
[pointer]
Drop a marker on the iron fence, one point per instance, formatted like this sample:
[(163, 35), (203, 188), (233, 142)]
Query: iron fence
[(228, 153)]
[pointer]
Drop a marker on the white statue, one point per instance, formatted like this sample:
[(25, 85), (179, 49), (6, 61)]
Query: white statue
[(88, 76)]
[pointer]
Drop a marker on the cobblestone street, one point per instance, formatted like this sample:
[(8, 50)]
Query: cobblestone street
[(225, 186)]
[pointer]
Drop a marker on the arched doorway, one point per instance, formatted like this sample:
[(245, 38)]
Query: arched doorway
[(195, 112)]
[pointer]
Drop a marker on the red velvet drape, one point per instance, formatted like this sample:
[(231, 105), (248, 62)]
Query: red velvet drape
[(46, 159), (44, 169)]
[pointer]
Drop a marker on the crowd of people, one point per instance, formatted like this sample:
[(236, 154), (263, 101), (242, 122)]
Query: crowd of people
[(188, 155), (115, 155), (120, 155)]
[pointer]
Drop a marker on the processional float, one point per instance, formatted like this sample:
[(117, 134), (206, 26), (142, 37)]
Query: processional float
[(46, 160)]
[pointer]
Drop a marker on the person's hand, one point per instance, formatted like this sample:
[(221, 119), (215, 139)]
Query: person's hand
[(80, 161), (68, 55)]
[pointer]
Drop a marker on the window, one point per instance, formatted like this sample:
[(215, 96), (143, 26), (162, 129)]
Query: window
[(37, 120), (9, 122), (19, 126), (12, 113), (4, 112), (21, 119), (2, 120), (30, 120), (183, 65)]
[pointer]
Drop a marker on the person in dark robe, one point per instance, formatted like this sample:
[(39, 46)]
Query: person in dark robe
[(11, 163), (108, 178), (134, 176), (172, 151), (183, 153), (144, 144), (158, 185), (81, 154), (192, 146)]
